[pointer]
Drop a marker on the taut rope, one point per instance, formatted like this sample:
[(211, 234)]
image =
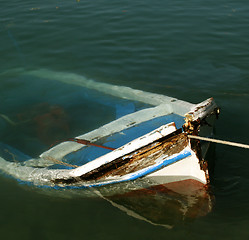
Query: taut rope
[(219, 141)]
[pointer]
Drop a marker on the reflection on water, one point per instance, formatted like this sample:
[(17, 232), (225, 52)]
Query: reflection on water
[(161, 206), (156, 205)]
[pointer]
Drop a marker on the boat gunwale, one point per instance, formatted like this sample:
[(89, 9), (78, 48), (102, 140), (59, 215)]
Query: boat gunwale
[(100, 171)]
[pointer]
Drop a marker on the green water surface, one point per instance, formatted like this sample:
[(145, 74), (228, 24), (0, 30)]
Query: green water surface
[(191, 50)]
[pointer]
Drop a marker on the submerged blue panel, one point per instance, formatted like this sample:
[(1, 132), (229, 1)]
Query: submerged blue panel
[(89, 153), (50, 111), (124, 109), (117, 140)]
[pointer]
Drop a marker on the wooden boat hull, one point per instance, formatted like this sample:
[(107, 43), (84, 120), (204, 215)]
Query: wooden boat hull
[(71, 165)]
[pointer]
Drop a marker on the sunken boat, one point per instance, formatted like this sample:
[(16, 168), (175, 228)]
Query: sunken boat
[(145, 145)]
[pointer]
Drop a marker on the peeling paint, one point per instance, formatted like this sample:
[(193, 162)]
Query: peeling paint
[(194, 121), (135, 161)]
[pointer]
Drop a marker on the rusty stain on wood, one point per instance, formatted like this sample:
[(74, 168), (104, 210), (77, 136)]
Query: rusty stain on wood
[(139, 159), (135, 161), (147, 156)]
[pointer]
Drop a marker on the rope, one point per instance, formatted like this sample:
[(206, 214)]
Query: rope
[(60, 162), (86, 142), (7, 119), (220, 141)]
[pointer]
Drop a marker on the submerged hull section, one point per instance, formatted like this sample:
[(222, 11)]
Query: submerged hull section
[(160, 157), (146, 152)]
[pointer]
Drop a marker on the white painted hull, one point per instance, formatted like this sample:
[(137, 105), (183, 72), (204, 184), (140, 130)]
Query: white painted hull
[(188, 169), (181, 167)]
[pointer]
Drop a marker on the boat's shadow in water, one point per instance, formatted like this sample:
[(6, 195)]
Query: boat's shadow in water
[(161, 206)]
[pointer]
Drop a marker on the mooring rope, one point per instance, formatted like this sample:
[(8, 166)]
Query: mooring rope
[(220, 141)]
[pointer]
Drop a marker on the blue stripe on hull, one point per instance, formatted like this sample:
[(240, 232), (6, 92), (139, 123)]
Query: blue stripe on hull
[(185, 153)]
